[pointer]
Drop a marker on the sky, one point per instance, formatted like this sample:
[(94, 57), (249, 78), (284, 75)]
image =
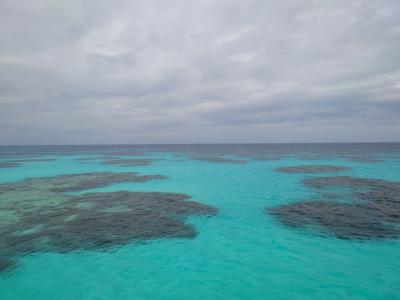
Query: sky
[(210, 71)]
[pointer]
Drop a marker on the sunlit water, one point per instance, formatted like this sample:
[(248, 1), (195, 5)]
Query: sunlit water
[(240, 253)]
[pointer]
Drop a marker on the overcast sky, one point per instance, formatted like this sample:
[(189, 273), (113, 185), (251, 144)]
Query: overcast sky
[(81, 72)]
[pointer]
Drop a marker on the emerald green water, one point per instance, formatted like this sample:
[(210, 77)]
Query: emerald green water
[(240, 253)]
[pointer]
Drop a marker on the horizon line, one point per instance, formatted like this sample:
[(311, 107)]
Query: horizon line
[(187, 144)]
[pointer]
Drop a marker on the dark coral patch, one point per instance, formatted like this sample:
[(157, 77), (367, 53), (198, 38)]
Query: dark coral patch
[(18, 162), (221, 160), (101, 221), (312, 169), (86, 181), (32, 160), (348, 182), (8, 164), (95, 158), (129, 162), (75, 182), (266, 158), (6, 264), (373, 214), (127, 153), (36, 215), (345, 221)]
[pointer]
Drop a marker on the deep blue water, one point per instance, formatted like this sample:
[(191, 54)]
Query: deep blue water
[(256, 231)]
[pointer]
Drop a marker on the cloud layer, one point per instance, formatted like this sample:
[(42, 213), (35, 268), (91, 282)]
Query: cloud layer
[(199, 71)]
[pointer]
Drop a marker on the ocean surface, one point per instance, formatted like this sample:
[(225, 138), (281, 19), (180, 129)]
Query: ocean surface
[(262, 221)]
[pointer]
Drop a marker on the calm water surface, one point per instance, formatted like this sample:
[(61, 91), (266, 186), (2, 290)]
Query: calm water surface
[(247, 238)]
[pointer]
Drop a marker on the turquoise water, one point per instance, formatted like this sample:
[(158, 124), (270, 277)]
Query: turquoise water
[(240, 253)]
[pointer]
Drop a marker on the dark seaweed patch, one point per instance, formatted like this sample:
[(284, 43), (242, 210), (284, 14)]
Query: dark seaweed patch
[(374, 213), (312, 169), (129, 162), (36, 215)]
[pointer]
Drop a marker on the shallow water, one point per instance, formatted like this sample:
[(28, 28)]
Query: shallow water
[(240, 252)]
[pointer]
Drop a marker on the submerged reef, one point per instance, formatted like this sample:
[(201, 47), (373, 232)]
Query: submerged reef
[(6, 264), (347, 182), (218, 159), (84, 181), (84, 159), (128, 162), (36, 215), (312, 169), (127, 153), (33, 194), (373, 211), (8, 164), (73, 182), (32, 160), (19, 162)]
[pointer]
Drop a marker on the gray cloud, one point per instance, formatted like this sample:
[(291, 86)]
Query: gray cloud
[(199, 71)]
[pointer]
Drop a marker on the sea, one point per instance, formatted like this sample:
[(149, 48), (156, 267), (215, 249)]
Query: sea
[(218, 221)]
